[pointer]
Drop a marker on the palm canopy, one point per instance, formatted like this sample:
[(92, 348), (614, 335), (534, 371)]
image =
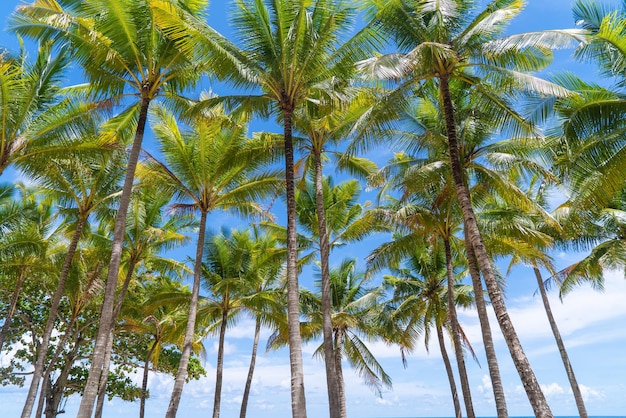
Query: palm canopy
[(451, 39), (115, 42)]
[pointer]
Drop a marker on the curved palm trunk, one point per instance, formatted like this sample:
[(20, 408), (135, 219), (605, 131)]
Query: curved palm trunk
[(106, 364), (52, 313), (298, 401), (106, 316), (485, 329), (181, 375), (327, 325), (456, 337), (529, 381), (219, 373), (246, 390), (144, 380), (446, 361), (580, 404), (14, 297), (341, 387)]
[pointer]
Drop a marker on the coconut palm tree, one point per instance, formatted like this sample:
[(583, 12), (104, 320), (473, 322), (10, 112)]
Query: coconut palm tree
[(79, 187), (209, 166), (123, 54), (289, 50), (421, 299), (448, 43)]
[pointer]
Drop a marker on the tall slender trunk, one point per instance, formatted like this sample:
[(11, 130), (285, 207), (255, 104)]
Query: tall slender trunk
[(219, 373), (580, 404), (12, 306), (529, 381), (144, 380), (181, 375), (255, 346), (485, 329), (52, 313), (298, 401), (106, 364), (341, 387), (446, 361), (106, 316), (456, 335), (327, 325)]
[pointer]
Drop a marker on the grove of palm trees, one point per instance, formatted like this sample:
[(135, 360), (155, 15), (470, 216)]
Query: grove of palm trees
[(342, 208)]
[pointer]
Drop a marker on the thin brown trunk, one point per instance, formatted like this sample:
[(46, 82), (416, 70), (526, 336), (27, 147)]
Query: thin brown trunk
[(106, 317), (580, 403), (246, 390), (446, 361), (217, 398), (529, 381), (485, 328), (144, 380), (181, 375), (456, 335), (12, 306), (54, 392), (52, 313), (327, 325), (298, 401), (104, 377), (341, 387)]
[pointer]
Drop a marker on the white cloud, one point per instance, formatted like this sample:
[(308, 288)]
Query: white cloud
[(590, 394), (552, 389)]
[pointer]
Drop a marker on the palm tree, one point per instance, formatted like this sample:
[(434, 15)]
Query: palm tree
[(210, 166), (230, 271), (123, 53), (149, 234), (147, 313), (290, 49), (447, 43), (420, 297), (80, 187)]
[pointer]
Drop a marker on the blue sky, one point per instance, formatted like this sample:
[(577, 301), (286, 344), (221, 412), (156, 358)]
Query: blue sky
[(590, 322)]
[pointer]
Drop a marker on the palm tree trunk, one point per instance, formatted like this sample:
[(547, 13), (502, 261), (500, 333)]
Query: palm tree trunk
[(52, 313), (580, 404), (12, 305), (181, 375), (144, 380), (104, 377), (217, 398), (446, 361), (246, 390), (456, 336), (106, 316), (341, 387), (298, 401), (327, 324), (529, 381), (485, 329)]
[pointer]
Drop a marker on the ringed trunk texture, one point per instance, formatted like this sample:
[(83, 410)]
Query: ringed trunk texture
[(246, 390), (529, 381), (219, 373), (106, 317), (181, 375), (341, 388), (327, 325), (485, 329), (52, 313), (298, 401), (456, 335), (14, 298), (104, 377), (580, 403), (446, 361)]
